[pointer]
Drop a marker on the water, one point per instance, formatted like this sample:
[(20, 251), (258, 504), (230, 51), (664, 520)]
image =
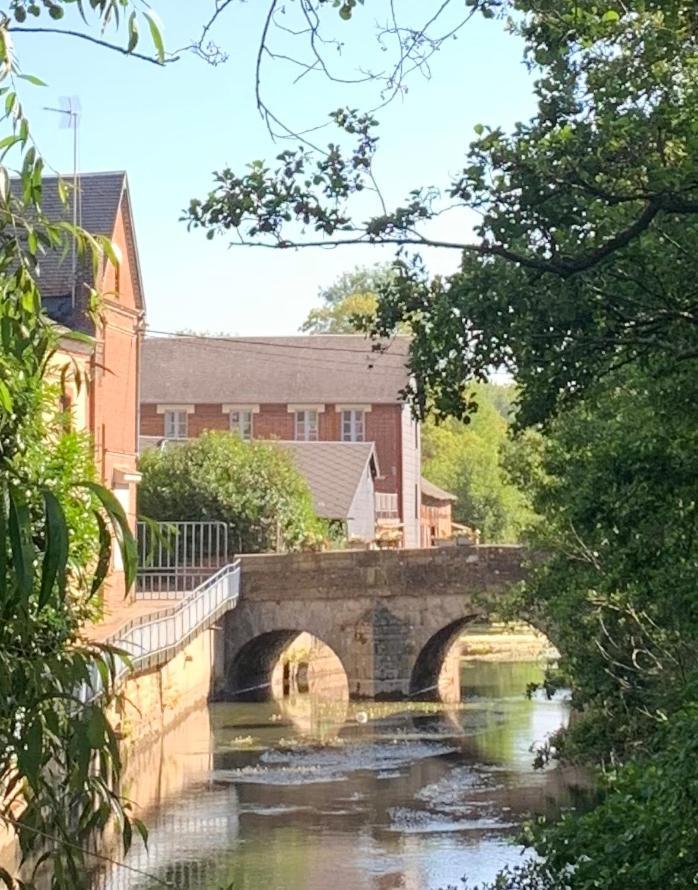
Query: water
[(302, 795)]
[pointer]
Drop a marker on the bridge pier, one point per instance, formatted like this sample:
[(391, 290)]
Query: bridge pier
[(390, 617)]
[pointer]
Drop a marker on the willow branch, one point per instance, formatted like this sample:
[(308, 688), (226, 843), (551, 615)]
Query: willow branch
[(104, 44)]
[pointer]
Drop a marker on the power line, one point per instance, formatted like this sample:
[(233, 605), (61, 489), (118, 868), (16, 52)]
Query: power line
[(375, 361), (268, 342)]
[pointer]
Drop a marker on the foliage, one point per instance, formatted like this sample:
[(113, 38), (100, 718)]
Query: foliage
[(252, 486), (583, 256), (347, 316), (644, 832), (59, 758), (616, 487), (469, 460), (350, 302), (359, 280)]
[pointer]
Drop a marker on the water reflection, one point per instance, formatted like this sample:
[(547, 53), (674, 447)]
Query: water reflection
[(306, 795)]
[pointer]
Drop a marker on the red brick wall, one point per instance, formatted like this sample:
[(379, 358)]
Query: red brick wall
[(114, 383), (275, 421)]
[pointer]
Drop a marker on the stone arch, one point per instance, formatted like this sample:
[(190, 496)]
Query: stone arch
[(249, 671), (424, 679)]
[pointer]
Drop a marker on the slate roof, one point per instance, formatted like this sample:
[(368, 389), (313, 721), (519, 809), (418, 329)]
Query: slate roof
[(333, 471), (100, 196), (316, 369), (433, 491)]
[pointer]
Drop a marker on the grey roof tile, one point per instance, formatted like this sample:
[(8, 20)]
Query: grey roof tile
[(99, 197), (272, 370), (433, 491), (333, 471)]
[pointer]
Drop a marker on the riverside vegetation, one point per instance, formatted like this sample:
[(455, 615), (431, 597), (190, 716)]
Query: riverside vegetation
[(580, 280)]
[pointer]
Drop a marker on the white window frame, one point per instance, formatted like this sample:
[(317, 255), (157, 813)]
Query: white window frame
[(176, 423), (306, 425), (241, 423), (353, 425)]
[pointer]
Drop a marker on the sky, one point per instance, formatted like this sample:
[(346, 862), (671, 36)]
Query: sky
[(171, 127)]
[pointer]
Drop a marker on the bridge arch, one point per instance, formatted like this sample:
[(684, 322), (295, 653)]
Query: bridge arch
[(284, 660), (429, 663)]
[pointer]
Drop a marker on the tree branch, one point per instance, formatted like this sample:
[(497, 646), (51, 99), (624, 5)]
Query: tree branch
[(104, 44)]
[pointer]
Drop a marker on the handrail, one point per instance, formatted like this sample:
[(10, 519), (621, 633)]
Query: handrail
[(153, 640)]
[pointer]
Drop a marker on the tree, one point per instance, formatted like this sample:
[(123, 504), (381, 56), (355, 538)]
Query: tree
[(350, 314), (251, 486), (580, 280), (582, 259), (616, 492), (469, 461), (59, 757)]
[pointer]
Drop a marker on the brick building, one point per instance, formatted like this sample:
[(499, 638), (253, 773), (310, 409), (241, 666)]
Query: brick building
[(436, 514), (106, 401), (306, 388)]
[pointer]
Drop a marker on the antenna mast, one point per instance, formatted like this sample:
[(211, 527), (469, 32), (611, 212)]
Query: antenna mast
[(69, 109)]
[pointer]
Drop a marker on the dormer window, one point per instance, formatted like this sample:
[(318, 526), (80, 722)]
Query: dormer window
[(353, 426), (306, 425), (241, 424), (175, 424)]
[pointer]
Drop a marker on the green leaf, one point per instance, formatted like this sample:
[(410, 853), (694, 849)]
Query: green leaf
[(104, 558), (610, 16), (29, 755), (132, 32), (56, 554), (20, 532), (122, 530), (5, 397), (96, 729), (32, 78), (142, 829), (156, 34), (3, 541)]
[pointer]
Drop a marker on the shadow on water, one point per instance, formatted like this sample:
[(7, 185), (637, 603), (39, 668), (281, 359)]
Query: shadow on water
[(308, 795)]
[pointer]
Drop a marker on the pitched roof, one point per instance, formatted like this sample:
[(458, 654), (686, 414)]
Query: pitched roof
[(317, 368), (433, 491), (100, 195), (333, 471)]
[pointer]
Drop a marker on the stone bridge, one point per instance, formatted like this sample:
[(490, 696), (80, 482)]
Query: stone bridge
[(389, 616)]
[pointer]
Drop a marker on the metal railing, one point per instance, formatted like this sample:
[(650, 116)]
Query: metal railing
[(386, 505), (175, 558), (155, 639)]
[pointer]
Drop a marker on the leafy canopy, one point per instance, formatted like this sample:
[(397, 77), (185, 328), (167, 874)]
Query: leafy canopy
[(582, 258), (470, 460), (252, 486)]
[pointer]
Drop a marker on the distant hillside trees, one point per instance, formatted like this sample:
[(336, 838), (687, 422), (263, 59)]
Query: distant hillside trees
[(471, 461)]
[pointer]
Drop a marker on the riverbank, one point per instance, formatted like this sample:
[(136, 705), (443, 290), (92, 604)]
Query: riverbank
[(505, 642)]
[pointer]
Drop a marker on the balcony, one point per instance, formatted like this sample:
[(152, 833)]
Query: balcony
[(386, 505)]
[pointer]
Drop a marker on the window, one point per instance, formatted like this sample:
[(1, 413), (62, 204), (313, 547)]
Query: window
[(352, 426), (241, 423), (175, 424), (306, 425)]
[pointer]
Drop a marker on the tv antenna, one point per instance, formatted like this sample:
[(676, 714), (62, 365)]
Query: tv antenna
[(69, 109)]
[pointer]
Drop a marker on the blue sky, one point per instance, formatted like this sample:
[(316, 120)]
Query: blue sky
[(171, 127)]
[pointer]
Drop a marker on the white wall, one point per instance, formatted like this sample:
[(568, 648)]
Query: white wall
[(362, 521), (411, 474)]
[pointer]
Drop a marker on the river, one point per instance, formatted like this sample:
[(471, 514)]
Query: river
[(306, 795)]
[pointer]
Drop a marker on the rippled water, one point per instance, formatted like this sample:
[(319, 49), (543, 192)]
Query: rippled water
[(302, 795)]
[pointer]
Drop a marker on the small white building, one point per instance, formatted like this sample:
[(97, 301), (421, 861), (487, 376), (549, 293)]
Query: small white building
[(341, 478)]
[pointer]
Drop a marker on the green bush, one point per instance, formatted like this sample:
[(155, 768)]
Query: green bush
[(252, 486)]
